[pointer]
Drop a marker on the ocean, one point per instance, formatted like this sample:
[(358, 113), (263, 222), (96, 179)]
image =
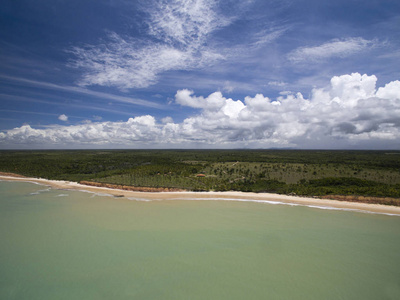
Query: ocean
[(61, 244)]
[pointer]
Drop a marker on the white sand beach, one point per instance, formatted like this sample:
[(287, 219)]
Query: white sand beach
[(231, 195)]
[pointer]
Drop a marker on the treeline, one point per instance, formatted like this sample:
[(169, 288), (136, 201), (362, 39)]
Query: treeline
[(321, 187), (300, 172)]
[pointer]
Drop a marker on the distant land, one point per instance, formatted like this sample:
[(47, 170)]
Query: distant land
[(359, 176)]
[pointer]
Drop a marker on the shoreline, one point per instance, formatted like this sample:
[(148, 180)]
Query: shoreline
[(231, 195)]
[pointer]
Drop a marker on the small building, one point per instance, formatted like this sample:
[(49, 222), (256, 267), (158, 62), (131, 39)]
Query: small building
[(200, 175)]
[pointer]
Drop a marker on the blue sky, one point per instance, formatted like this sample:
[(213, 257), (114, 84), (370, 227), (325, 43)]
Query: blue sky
[(200, 74)]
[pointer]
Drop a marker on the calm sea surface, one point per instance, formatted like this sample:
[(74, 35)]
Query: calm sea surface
[(58, 244)]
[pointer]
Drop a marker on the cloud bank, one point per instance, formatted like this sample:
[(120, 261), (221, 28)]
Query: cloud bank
[(349, 113)]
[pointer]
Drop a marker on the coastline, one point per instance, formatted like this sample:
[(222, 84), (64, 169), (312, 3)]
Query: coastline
[(231, 195)]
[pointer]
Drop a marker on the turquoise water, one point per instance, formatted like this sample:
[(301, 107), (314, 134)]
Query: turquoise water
[(73, 245)]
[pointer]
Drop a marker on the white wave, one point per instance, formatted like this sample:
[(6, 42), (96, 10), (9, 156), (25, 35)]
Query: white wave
[(142, 199), (268, 202), (94, 194), (40, 191)]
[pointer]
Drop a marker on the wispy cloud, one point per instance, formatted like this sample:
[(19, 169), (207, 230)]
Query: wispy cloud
[(178, 32), (334, 48), (394, 54), (182, 35), (267, 36), (97, 107), (83, 91), (29, 112), (26, 99), (124, 64), (185, 22), (277, 84)]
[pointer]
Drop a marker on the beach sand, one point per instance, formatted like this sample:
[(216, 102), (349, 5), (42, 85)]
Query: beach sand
[(232, 195)]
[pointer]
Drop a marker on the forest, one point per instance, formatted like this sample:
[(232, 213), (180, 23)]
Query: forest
[(296, 172)]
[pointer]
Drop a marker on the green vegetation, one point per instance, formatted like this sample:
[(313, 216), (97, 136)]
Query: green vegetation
[(311, 173)]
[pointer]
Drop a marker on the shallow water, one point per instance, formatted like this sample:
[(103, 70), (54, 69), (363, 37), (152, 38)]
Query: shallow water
[(58, 244)]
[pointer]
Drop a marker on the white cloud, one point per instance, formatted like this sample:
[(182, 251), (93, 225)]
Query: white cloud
[(135, 130), (185, 98), (167, 120), (349, 113), (390, 91), (277, 84), (63, 118), (334, 48), (181, 29)]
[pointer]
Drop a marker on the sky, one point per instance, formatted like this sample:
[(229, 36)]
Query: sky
[(200, 74)]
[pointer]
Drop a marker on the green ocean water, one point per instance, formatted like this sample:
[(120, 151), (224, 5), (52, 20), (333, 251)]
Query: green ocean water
[(73, 245)]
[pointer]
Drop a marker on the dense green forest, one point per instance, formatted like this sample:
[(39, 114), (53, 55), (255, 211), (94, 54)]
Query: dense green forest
[(300, 172)]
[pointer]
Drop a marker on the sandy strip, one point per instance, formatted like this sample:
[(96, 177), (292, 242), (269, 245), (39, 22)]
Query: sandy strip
[(239, 196)]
